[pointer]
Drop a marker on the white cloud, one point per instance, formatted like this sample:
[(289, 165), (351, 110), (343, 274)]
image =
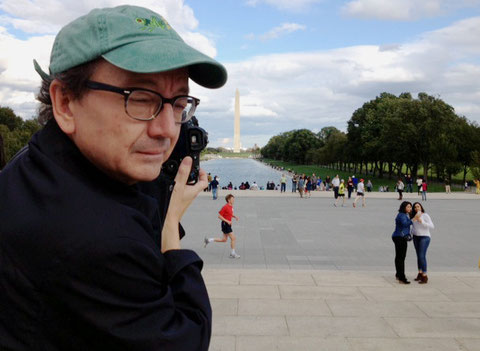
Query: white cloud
[(284, 91), (403, 10), (283, 29), (290, 5), (311, 90), (43, 18)]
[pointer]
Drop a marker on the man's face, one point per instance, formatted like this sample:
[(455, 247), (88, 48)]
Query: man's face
[(126, 149)]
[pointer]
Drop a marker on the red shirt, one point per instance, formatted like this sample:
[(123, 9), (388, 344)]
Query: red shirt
[(226, 212)]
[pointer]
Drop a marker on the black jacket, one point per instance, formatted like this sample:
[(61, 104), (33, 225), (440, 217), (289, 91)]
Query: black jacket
[(80, 264)]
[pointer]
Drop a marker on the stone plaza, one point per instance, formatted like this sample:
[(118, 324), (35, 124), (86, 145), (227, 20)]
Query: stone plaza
[(317, 277)]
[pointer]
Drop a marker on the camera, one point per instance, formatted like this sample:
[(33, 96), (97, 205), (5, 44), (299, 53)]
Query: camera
[(192, 140)]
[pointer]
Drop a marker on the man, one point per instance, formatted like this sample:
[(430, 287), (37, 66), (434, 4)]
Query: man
[(447, 185), (314, 182), (87, 260), (335, 184), (283, 183), (409, 181), (294, 183), (214, 185), (209, 180), (301, 185)]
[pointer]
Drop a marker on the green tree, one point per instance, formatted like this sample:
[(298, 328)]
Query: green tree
[(9, 119), (15, 132)]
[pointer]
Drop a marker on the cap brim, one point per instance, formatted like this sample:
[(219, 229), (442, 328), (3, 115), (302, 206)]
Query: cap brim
[(151, 56)]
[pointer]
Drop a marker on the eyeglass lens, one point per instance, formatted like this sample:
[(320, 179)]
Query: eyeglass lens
[(145, 105)]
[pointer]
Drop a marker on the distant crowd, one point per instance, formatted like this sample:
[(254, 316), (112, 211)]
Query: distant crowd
[(305, 184)]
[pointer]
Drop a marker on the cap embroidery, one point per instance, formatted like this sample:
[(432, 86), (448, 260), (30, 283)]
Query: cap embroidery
[(152, 23)]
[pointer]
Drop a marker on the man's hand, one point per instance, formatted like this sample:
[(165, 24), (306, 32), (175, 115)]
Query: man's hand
[(182, 197)]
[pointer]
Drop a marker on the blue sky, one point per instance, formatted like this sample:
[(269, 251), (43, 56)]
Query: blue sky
[(297, 63), (325, 27)]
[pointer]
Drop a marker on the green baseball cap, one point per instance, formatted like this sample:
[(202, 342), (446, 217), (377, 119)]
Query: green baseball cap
[(132, 38)]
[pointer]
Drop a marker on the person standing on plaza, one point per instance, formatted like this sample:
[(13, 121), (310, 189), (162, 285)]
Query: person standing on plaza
[(327, 183), (294, 183), (422, 224), (90, 250), (341, 193), (400, 238), (419, 182), (424, 189), (447, 185), (226, 215), (355, 182), (335, 184), (209, 179), (369, 186), (314, 182), (301, 185), (283, 183), (307, 187), (350, 187), (214, 187), (477, 185), (409, 181), (400, 187), (360, 194)]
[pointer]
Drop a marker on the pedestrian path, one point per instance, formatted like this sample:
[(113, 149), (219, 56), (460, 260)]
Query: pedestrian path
[(342, 310)]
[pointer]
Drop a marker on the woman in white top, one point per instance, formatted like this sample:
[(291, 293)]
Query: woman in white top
[(422, 223)]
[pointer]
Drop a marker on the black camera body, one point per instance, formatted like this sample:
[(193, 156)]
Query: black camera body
[(191, 142)]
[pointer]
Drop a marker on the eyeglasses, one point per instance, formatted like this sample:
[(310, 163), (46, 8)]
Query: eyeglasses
[(145, 105)]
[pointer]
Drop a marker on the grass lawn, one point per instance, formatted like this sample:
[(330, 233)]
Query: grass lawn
[(377, 182)]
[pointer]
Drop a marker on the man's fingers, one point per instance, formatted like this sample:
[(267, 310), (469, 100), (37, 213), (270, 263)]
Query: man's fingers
[(184, 170)]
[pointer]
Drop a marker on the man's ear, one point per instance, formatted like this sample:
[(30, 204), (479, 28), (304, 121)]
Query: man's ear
[(61, 107)]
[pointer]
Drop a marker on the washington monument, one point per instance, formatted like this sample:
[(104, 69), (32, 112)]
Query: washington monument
[(236, 127)]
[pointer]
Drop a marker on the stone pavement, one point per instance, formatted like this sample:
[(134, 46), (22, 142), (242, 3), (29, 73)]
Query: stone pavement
[(340, 310), (317, 277)]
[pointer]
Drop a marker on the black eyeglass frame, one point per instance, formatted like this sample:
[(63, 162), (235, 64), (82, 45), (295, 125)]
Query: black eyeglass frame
[(126, 94)]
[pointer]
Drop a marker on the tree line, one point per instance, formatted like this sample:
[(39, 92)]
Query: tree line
[(14, 133), (389, 135)]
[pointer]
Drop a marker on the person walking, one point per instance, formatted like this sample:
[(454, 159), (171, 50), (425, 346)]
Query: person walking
[(424, 190), (419, 182), (400, 187), (477, 186), (341, 193), (400, 238), (283, 183), (214, 187), (421, 226), (360, 194), (335, 184), (350, 187), (226, 215)]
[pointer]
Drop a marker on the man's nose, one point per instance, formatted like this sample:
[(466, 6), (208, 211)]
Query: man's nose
[(164, 124)]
